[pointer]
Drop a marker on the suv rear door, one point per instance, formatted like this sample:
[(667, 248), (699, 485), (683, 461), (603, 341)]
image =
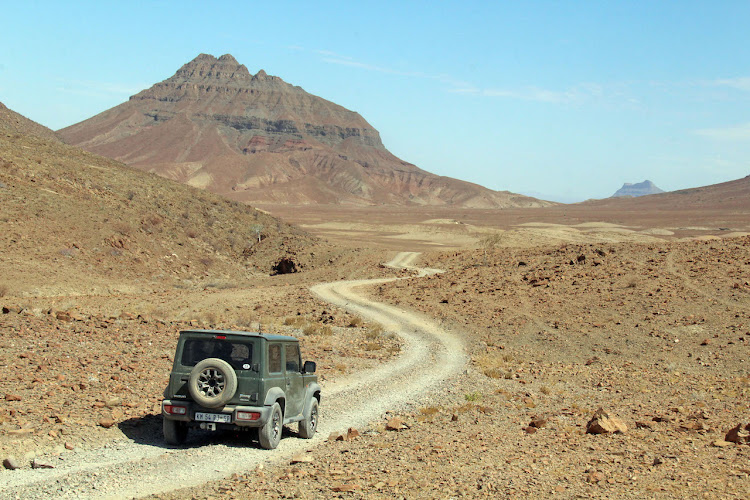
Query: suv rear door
[(295, 389)]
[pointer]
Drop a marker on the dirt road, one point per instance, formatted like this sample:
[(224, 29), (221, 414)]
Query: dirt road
[(139, 467)]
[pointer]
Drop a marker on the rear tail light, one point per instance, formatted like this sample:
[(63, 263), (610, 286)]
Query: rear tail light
[(247, 415), (175, 410)]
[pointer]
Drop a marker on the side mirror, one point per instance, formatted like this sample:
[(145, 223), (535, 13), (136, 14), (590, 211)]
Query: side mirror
[(309, 367)]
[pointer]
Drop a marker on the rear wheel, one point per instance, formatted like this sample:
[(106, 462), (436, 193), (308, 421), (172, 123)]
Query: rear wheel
[(175, 432), (309, 425), (270, 434)]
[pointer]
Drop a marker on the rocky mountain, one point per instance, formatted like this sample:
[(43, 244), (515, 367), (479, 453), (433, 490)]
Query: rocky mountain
[(638, 189), (12, 122), (256, 138)]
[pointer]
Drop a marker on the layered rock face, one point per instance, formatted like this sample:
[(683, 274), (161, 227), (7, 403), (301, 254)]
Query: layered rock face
[(256, 138)]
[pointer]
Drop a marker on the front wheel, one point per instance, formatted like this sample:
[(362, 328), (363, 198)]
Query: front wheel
[(175, 432), (309, 425), (270, 434)]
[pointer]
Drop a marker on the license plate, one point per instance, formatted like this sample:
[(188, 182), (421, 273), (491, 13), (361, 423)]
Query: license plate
[(213, 417)]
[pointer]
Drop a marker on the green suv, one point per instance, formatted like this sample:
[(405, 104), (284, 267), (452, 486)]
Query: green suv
[(239, 381)]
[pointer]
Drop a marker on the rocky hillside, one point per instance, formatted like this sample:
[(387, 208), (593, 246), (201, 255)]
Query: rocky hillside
[(256, 138), (75, 222), (638, 189), (12, 122)]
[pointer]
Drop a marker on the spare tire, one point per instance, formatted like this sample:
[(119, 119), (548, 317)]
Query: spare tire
[(212, 383)]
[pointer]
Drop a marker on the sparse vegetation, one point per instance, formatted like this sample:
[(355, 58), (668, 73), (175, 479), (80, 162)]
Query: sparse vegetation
[(295, 321), (472, 397), (374, 332), (4, 290)]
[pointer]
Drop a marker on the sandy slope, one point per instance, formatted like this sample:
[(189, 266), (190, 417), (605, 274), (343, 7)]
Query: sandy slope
[(134, 469)]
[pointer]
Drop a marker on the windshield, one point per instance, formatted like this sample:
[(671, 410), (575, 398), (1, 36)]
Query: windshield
[(238, 353)]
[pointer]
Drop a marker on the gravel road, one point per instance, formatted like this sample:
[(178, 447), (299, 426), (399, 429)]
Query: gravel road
[(136, 468)]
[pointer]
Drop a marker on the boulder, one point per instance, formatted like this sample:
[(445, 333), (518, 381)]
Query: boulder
[(739, 434), (604, 423), (395, 424)]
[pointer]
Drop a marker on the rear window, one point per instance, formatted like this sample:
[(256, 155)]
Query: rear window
[(235, 352)]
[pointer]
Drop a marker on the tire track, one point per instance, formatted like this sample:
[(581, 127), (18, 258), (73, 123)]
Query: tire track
[(127, 469)]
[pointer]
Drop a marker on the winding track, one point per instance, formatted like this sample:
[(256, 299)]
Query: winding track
[(126, 469)]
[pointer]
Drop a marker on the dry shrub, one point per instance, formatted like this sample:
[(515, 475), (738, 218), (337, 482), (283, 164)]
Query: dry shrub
[(310, 329), (494, 365), (209, 318), (545, 390), (244, 319), (295, 321), (473, 396), (429, 410), (4, 290), (325, 330), (316, 329), (374, 332), (427, 414), (372, 346), (355, 321)]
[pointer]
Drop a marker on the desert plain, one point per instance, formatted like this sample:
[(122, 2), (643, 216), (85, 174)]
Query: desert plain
[(561, 311), (596, 350)]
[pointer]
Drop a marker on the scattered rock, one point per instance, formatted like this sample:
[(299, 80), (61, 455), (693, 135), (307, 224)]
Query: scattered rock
[(720, 443), (39, 464), (69, 446), (301, 458), (63, 316), (106, 423), (594, 477), (351, 433), (112, 402), (603, 423), (395, 424), (538, 422), (12, 397), (739, 434), (344, 487), (11, 463)]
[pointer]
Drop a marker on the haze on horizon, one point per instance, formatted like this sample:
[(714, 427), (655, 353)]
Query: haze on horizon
[(562, 101)]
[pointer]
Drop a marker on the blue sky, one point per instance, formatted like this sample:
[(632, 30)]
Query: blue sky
[(562, 100)]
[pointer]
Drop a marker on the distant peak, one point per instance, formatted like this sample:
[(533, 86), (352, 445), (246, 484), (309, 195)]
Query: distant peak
[(637, 189), (261, 74), (207, 67), (227, 58), (203, 58)]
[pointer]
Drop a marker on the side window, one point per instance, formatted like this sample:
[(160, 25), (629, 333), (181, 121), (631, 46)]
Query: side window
[(274, 358), (292, 357)]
